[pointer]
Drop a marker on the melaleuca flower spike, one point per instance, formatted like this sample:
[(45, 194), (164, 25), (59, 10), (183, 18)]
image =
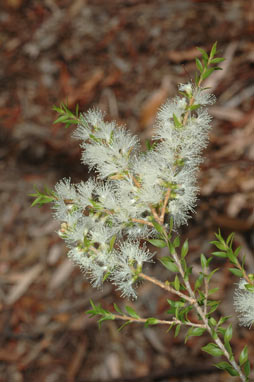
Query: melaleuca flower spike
[(134, 187), (244, 304), (144, 196)]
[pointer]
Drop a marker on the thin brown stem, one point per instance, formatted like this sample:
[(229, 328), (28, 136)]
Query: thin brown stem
[(245, 276), (186, 115), (191, 101), (155, 215), (206, 295), (160, 322), (166, 287), (163, 210), (135, 181), (202, 314), (142, 222)]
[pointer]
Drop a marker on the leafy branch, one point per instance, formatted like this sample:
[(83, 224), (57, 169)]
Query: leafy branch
[(204, 307), (66, 116), (132, 316), (226, 251), (204, 66), (42, 198)]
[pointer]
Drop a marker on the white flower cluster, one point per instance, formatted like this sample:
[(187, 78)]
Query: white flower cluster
[(244, 304), (104, 218)]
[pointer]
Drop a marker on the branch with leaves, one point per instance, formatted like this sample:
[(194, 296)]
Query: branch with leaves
[(145, 197)]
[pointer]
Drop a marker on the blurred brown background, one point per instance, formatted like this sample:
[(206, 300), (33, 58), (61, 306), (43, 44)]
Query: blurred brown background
[(126, 57)]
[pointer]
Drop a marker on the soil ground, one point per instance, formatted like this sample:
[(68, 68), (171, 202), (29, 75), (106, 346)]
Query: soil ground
[(125, 57)]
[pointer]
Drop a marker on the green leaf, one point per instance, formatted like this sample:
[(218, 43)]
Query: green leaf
[(184, 249), (214, 334), (77, 110), (230, 238), (176, 242), (157, 226), (98, 310), (112, 242), (194, 332), (169, 264), (117, 309), (177, 123), (106, 318), (204, 54), (236, 272), (60, 119), (199, 281), (237, 251), (123, 326), (228, 333), (203, 261), (171, 247), (219, 254), (94, 138), (131, 312), (106, 276), (58, 110), (231, 256), (151, 321), (213, 50), (208, 72), (249, 287), (223, 319), (177, 330), (193, 107), (199, 65), (219, 245), (197, 78), (212, 322), (218, 235), (211, 274), (66, 116), (243, 356), (176, 283), (212, 291), (212, 349), (213, 306), (246, 369), (177, 304), (158, 243), (41, 198), (226, 366)]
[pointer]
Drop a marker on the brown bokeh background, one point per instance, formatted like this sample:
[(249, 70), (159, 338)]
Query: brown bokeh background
[(126, 57)]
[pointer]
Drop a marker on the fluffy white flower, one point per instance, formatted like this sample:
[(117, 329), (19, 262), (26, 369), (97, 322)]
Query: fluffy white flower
[(101, 266), (244, 304), (132, 252), (138, 231), (79, 230), (85, 192), (131, 257), (110, 147), (65, 190), (105, 159), (61, 209), (203, 97), (101, 234), (187, 88), (80, 257), (105, 193), (117, 206), (90, 121)]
